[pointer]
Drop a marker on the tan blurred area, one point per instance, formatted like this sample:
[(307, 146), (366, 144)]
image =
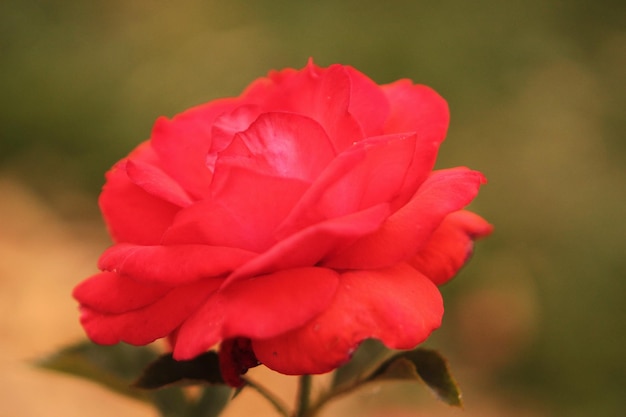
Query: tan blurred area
[(42, 257)]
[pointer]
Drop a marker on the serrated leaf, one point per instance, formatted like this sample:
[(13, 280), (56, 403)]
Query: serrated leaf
[(166, 370), (114, 367), (422, 364), (369, 352)]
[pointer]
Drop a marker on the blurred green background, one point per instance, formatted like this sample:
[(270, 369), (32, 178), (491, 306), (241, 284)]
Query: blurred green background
[(537, 97)]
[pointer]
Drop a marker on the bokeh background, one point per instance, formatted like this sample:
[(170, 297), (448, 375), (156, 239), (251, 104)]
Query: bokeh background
[(534, 326)]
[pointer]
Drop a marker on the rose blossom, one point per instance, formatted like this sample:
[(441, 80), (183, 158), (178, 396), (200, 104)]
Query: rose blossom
[(286, 225)]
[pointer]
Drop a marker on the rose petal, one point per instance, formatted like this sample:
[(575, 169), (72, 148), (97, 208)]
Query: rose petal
[(311, 245), (227, 126), (368, 103), (258, 307), (369, 173), (157, 183), (183, 144), (407, 231), (151, 322), (110, 293), (417, 108), (322, 94), (282, 145), (450, 246), (132, 214), (174, 264), (397, 305), (243, 213)]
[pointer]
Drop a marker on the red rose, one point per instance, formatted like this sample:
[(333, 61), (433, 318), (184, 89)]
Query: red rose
[(287, 224)]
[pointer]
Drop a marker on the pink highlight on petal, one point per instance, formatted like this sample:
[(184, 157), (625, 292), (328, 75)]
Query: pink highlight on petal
[(323, 94), (283, 145)]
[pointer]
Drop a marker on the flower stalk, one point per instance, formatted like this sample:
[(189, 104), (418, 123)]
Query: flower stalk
[(304, 395), (269, 396)]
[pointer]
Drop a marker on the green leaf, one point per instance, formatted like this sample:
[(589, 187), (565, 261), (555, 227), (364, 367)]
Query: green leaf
[(368, 353), (238, 391), (114, 367), (400, 369), (166, 370), (211, 402), (422, 364), (169, 401)]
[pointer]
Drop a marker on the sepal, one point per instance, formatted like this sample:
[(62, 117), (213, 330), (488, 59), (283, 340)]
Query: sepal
[(165, 370)]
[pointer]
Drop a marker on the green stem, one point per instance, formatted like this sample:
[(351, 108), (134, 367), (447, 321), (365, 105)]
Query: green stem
[(329, 396), (269, 396), (304, 396)]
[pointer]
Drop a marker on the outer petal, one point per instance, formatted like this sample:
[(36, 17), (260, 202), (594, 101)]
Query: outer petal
[(110, 293), (368, 103), (172, 265), (417, 108), (450, 246), (259, 307), (409, 229), (397, 305), (148, 323), (131, 213), (183, 144)]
